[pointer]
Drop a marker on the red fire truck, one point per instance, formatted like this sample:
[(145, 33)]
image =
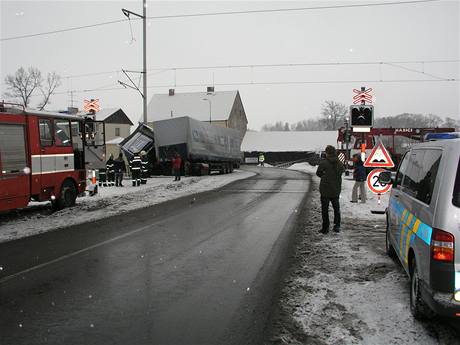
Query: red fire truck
[(41, 157), (396, 140)]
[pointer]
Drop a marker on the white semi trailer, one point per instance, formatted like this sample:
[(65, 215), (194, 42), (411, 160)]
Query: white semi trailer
[(203, 147)]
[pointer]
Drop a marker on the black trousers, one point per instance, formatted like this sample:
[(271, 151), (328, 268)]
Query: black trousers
[(325, 211), (177, 174), (136, 177)]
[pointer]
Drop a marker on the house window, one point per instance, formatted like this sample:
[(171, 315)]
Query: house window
[(117, 132)]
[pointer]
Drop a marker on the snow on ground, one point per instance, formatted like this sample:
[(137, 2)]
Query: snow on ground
[(39, 217), (344, 289)]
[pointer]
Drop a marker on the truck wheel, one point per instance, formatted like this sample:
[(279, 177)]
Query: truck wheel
[(67, 197), (388, 247), (418, 307)]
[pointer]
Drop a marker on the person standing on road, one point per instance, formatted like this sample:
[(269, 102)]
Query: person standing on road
[(330, 171), (110, 172), (145, 167), (359, 175), (176, 165), (135, 165), (119, 168), (261, 159)]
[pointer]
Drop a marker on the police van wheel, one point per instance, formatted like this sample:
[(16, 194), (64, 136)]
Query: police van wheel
[(68, 196), (418, 307), (388, 247)]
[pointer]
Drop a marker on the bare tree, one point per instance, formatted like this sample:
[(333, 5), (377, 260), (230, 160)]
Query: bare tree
[(23, 83), (333, 114), (53, 81)]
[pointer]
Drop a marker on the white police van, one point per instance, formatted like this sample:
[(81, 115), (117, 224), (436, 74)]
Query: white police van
[(423, 225)]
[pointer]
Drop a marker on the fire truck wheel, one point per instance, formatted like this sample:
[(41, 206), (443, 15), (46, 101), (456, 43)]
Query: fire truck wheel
[(68, 196)]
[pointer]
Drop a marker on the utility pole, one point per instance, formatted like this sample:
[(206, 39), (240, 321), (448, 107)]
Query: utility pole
[(127, 13), (144, 68)]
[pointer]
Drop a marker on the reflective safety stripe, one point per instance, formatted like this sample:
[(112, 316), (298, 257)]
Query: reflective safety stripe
[(410, 228), (52, 163)]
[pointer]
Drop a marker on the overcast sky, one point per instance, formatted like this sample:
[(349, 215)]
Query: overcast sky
[(411, 32)]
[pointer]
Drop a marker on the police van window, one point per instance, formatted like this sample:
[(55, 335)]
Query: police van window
[(402, 170), (427, 176), (62, 135), (46, 137), (456, 196), (412, 177), (12, 149)]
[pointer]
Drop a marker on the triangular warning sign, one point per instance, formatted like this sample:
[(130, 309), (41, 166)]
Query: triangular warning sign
[(379, 158)]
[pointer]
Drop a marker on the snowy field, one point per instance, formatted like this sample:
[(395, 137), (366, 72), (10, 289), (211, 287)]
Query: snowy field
[(343, 289), (39, 217)]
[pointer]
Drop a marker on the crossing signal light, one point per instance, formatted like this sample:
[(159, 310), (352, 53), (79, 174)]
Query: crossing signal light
[(362, 115)]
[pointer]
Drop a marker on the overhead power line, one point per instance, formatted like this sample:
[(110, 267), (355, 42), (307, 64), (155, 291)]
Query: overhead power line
[(183, 68), (209, 14), (274, 83)]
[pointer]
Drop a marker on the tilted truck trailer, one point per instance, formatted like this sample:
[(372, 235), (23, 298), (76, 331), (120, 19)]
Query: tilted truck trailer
[(202, 146)]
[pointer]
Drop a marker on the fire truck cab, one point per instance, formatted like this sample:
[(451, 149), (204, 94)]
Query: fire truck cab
[(41, 157)]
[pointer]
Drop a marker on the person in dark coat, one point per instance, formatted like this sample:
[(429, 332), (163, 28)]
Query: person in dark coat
[(110, 172), (330, 171), (359, 175), (135, 165), (119, 168), (176, 165)]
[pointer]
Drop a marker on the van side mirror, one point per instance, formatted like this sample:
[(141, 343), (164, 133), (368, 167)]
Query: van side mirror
[(385, 178)]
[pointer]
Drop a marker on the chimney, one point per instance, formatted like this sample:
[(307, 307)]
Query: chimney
[(72, 110), (171, 92), (210, 89)]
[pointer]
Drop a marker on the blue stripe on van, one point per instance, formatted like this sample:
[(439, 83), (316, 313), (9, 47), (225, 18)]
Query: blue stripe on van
[(424, 231)]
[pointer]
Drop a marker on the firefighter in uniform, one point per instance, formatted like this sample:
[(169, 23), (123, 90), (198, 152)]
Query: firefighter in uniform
[(135, 165), (110, 172), (145, 167)]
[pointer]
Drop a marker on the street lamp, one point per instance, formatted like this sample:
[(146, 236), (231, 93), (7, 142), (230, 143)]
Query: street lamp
[(210, 108)]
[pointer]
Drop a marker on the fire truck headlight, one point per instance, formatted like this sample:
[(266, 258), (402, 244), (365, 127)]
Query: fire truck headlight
[(53, 197), (26, 170)]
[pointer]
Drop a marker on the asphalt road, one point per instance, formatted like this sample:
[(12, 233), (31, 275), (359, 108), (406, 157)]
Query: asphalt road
[(203, 269)]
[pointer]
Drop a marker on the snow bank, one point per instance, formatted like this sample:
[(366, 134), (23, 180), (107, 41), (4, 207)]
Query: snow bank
[(110, 201)]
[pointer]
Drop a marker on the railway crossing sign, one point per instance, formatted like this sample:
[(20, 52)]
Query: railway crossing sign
[(362, 96), (379, 158), (91, 106), (373, 183)]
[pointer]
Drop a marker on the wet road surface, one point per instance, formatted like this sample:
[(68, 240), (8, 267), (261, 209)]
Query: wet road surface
[(202, 269)]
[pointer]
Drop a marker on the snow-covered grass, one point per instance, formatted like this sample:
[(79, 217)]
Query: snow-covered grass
[(39, 217), (344, 289)]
